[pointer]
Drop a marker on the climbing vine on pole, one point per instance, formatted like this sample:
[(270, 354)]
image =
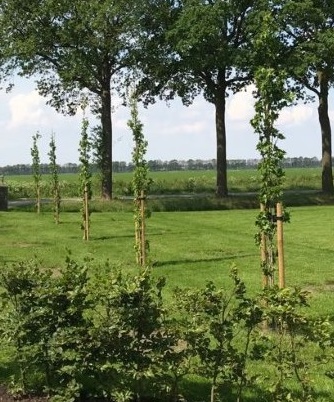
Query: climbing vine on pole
[(85, 177), (36, 170), (140, 183), (272, 96), (54, 179)]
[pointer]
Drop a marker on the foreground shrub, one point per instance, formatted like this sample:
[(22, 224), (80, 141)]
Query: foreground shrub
[(44, 320), (213, 321), (132, 330), (108, 334), (295, 346), (102, 336)]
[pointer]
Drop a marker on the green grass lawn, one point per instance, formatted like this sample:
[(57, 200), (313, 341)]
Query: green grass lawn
[(188, 248)]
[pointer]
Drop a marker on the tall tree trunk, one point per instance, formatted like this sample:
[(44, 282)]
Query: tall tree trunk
[(326, 135), (220, 104), (106, 157)]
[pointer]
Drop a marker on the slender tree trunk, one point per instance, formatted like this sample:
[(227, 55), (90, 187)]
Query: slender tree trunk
[(220, 105), (106, 157), (326, 135)]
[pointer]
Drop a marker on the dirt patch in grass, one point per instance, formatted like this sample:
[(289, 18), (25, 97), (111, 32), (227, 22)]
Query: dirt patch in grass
[(328, 287), (5, 396)]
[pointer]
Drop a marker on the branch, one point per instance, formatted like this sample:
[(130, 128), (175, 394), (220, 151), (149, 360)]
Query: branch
[(306, 84), (207, 78)]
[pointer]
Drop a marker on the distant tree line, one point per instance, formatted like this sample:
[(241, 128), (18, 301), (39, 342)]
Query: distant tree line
[(162, 166)]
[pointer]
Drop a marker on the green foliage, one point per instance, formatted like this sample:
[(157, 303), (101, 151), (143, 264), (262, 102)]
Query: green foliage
[(272, 97), (47, 44), (213, 320), (307, 30), (85, 178), (36, 170), (285, 347), (55, 184), (193, 47), (80, 332), (43, 319), (132, 331), (140, 183)]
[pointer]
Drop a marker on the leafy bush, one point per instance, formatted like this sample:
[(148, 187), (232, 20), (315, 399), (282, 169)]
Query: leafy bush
[(44, 319), (111, 335)]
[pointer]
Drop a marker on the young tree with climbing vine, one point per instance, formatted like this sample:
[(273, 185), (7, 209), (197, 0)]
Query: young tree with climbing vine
[(55, 179), (140, 183), (272, 96), (36, 169), (85, 177)]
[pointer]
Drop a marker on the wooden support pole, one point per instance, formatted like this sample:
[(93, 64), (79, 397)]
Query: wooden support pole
[(137, 240), (264, 255), (38, 200), (143, 240), (86, 218), (280, 248)]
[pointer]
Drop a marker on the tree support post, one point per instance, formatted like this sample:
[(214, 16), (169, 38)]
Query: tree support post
[(264, 255), (142, 229), (86, 220), (280, 247)]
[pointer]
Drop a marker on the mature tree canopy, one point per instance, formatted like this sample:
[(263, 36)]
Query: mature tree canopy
[(200, 46), (308, 29), (72, 46), (182, 48)]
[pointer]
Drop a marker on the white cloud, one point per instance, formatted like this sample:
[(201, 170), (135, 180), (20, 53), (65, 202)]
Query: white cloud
[(296, 115), (26, 109), (184, 128), (241, 106), (121, 123), (241, 109)]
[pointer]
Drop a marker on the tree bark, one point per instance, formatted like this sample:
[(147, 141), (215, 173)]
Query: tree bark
[(106, 157), (220, 104), (326, 135)]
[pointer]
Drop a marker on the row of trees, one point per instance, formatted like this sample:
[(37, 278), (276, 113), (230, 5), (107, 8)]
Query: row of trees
[(169, 48), (161, 166)]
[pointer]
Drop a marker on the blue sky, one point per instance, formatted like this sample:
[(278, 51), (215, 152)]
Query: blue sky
[(173, 131)]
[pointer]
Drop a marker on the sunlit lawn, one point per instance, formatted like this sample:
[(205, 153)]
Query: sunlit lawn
[(188, 248)]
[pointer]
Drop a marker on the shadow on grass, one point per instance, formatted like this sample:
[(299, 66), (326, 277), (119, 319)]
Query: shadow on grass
[(132, 236), (194, 261), (111, 237)]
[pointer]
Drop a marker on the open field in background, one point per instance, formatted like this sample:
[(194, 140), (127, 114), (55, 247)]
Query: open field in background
[(188, 248), (170, 182)]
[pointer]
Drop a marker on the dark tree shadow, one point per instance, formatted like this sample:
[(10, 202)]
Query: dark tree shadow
[(194, 261)]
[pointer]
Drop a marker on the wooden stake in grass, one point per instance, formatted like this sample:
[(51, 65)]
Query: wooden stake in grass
[(280, 246), (36, 169), (264, 256), (140, 184), (55, 179), (85, 178)]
